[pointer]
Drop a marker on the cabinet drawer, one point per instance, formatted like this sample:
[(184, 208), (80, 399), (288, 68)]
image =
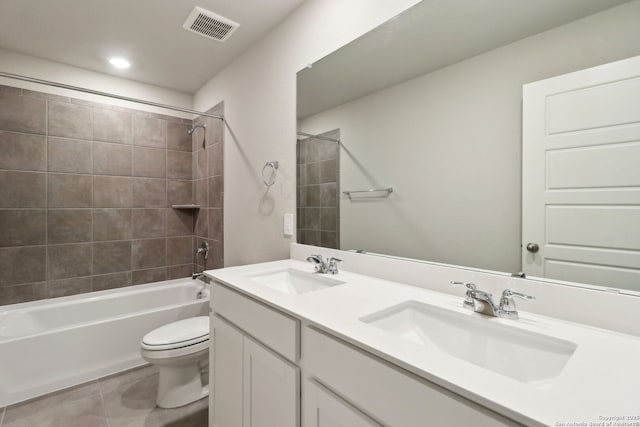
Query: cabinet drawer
[(387, 393), (269, 326)]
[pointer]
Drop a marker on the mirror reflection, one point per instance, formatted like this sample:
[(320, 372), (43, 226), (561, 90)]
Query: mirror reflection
[(431, 116)]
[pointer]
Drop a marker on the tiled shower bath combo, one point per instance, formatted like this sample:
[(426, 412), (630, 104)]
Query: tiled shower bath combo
[(86, 194)]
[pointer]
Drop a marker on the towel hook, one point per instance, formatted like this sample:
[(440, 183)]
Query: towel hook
[(272, 178)]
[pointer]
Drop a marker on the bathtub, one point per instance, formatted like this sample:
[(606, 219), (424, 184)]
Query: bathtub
[(51, 344)]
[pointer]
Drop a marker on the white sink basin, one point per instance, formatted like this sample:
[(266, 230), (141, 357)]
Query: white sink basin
[(521, 355), (294, 282)]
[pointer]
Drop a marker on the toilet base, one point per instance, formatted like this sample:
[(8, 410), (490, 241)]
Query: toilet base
[(180, 385)]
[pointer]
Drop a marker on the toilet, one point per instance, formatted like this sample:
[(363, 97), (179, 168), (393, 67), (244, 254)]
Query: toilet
[(178, 349)]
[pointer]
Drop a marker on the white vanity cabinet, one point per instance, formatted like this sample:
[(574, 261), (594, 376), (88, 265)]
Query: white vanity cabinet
[(253, 384)]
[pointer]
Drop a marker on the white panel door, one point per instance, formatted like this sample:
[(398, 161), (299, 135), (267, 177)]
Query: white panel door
[(271, 388), (581, 176), (226, 376), (323, 409)]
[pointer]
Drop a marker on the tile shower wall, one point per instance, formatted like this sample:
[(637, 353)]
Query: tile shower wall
[(318, 167), (85, 196), (208, 187)]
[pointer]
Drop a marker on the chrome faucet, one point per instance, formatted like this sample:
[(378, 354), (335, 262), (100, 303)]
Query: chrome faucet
[(204, 250), (322, 267), (482, 302)]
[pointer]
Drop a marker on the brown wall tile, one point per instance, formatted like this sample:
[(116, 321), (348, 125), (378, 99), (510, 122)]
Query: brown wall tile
[(22, 293), (22, 189), (179, 222), (20, 151), (69, 191), (111, 257), (112, 192), (65, 261), (329, 195), (215, 129), (179, 250), (111, 159), (215, 159), (149, 132), (43, 95), (215, 224), (68, 226), (201, 192), (69, 155), (65, 287), (149, 162), (178, 165), (22, 114), (328, 219), (22, 227), (201, 218), (70, 121), (201, 168), (179, 271), (148, 253), (111, 126), (149, 276), (177, 136), (179, 192), (111, 224), (215, 192), (110, 281), (22, 265), (148, 223), (329, 171), (149, 193)]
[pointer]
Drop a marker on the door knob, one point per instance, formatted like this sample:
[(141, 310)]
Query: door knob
[(533, 247)]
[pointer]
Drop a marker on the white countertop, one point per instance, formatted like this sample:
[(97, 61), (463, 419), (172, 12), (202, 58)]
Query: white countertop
[(601, 380)]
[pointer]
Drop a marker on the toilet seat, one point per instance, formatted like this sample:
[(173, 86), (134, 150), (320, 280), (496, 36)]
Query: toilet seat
[(180, 334)]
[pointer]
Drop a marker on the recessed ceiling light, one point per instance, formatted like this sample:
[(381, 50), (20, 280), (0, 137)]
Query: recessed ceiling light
[(119, 62)]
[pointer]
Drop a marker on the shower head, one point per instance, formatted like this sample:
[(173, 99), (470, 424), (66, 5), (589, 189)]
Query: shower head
[(193, 129)]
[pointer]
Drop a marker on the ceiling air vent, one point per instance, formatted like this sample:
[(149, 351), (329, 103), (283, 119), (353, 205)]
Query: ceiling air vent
[(209, 24)]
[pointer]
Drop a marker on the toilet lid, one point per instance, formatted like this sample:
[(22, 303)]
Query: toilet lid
[(183, 332)]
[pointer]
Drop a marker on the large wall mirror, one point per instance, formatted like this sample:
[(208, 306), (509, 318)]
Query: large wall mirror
[(426, 110)]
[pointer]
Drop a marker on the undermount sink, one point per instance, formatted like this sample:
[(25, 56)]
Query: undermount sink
[(294, 282), (521, 355)]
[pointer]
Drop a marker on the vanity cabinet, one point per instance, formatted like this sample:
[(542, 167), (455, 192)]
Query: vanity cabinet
[(253, 384)]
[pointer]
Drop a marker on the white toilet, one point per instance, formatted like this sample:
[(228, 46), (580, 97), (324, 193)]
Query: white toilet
[(178, 349)]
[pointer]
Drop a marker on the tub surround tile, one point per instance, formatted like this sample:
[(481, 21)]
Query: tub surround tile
[(328, 171), (43, 95), (312, 237), (215, 129), (329, 195), (22, 114), (148, 223), (201, 192), (111, 281), (22, 265), (70, 121), (179, 222), (67, 261), (69, 226), (215, 192), (22, 189), (179, 271), (215, 159), (149, 162), (312, 173), (179, 192), (177, 136), (111, 257), (328, 239), (66, 287), (312, 196), (69, 155), (112, 126), (111, 224), (178, 165), (312, 218), (216, 254), (201, 219), (140, 277), (111, 159), (69, 191), (215, 224), (149, 132), (149, 253), (22, 227), (150, 193), (328, 218), (179, 250), (10, 90), (22, 293), (112, 192), (22, 152)]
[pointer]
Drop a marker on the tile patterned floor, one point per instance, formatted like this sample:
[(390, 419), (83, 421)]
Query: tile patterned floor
[(126, 399)]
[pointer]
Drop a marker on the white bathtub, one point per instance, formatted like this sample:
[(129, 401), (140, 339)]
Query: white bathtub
[(51, 344)]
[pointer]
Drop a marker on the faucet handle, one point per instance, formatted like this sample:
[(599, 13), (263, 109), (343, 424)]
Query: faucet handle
[(468, 299), (508, 305), (333, 265)]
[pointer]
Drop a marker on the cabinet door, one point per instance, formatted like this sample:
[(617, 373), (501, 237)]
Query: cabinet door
[(226, 375), (324, 409), (271, 389)]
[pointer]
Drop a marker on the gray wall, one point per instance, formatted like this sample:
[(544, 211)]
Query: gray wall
[(451, 146), (85, 196)]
